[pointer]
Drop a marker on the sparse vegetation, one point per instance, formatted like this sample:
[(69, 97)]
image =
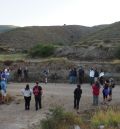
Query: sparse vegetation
[(12, 57), (115, 62), (8, 98), (108, 118), (59, 119), (42, 50)]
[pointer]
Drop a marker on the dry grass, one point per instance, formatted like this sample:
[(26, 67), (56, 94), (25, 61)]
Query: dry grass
[(115, 61), (8, 98), (12, 57), (56, 62), (59, 119), (108, 118)]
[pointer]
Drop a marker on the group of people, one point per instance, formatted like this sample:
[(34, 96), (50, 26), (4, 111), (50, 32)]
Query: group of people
[(74, 75), (108, 84), (107, 87), (94, 75), (97, 81), (22, 74), (4, 79), (78, 76), (27, 93)]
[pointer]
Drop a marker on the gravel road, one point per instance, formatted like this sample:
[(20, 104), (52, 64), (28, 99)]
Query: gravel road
[(13, 116)]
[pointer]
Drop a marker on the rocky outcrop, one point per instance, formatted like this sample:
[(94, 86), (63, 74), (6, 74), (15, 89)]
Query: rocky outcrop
[(85, 52)]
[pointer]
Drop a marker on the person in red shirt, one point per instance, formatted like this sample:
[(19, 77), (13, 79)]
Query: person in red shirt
[(37, 91), (96, 91)]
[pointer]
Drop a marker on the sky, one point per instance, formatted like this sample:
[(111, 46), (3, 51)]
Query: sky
[(59, 12)]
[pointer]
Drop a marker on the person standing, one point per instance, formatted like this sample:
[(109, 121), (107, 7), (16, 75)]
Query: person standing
[(77, 96), (19, 74), (71, 76), (46, 72), (96, 91), (25, 74), (91, 76), (81, 75), (27, 93), (96, 75), (105, 91), (7, 74), (111, 86), (37, 91), (3, 90), (101, 77), (74, 76)]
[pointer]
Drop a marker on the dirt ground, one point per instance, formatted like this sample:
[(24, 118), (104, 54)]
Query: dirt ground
[(13, 115)]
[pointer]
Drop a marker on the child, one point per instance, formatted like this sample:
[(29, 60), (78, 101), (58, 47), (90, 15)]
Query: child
[(77, 96)]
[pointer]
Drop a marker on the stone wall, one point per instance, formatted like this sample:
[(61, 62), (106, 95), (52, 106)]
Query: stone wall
[(59, 69)]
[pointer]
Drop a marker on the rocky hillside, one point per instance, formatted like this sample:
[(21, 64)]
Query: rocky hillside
[(26, 37), (80, 42), (110, 32)]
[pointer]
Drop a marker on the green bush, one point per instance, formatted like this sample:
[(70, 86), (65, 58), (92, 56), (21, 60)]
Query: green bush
[(41, 50), (59, 119)]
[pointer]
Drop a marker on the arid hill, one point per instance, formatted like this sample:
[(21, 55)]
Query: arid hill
[(80, 42), (111, 32), (26, 37)]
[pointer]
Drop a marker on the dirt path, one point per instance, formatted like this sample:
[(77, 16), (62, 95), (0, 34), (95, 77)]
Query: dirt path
[(13, 116)]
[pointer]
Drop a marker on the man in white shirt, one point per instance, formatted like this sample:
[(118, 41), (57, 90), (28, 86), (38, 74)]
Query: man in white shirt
[(92, 72)]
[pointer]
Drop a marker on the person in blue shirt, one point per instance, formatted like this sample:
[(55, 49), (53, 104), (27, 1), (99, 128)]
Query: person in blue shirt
[(3, 89)]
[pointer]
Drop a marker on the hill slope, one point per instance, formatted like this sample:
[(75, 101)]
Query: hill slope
[(27, 37), (111, 31)]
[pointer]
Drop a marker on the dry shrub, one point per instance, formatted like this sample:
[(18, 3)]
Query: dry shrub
[(8, 62), (8, 98), (59, 119), (109, 118)]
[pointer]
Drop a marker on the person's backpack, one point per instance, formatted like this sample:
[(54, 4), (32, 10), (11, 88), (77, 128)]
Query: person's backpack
[(113, 85), (36, 90), (112, 82)]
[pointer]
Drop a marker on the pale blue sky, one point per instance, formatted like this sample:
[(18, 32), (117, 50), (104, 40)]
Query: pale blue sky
[(58, 12)]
